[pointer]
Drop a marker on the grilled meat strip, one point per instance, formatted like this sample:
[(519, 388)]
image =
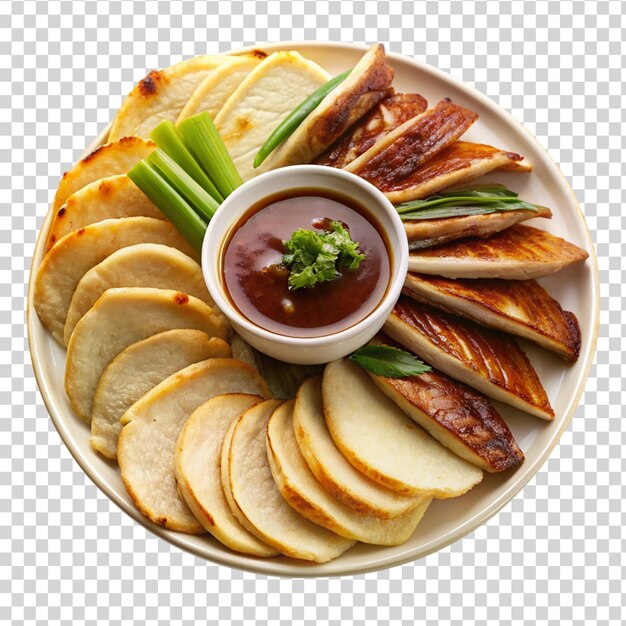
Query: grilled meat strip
[(519, 307), (430, 233), (368, 83), (517, 253), (486, 360), (460, 162), (388, 114), (459, 418), (393, 159)]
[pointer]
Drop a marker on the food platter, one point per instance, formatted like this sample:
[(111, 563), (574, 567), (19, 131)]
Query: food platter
[(446, 521)]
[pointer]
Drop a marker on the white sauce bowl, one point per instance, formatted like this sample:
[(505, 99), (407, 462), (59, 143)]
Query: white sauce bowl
[(304, 350)]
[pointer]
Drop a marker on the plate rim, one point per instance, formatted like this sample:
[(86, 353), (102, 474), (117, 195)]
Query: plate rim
[(277, 568)]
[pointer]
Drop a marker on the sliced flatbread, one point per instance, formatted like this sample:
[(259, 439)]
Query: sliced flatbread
[(340, 478), (489, 361), (386, 445), (76, 253), (520, 307), (270, 91), (460, 162), (429, 233), (197, 466), (402, 151), (115, 157), (254, 499), (139, 368), (305, 493), (161, 96), (388, 114), (517, 253), (213, 92), (120, 318), (367, 84), (103, 199), (152, 425), (142, 265)]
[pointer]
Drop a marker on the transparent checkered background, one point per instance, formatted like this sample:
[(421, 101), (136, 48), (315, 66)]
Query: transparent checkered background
[(553, 555)]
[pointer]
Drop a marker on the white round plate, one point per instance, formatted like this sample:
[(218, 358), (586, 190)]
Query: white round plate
[(576, 288)]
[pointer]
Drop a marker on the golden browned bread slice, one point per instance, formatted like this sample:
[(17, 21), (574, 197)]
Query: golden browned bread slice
[(115, 157), (489, 361), (197, 465), (517, 253), (364, 88), (147, 443), (520, 307), (305, 493), (119, 318), (141, 265), (428, 233), (339, 477), (378, 438), (389, 113), (262, 100), (139, 368), (255, 500), (460, 162), (390, 161), (103, 199), (76, 253), (213, 92), (161, 95)]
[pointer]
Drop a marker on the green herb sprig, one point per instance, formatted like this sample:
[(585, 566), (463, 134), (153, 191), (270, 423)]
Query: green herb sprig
[(388, 361), (476, 200), (317, 256), (288, 126)]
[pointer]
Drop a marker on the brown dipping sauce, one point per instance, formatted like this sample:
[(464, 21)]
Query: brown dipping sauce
[(256, 280)]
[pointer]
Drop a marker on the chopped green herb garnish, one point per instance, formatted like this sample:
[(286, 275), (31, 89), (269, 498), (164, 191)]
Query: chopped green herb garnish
[(388, 361), (317, 256), (477, 200)]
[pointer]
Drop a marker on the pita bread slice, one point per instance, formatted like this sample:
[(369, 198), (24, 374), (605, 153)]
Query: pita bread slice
[(338, 477), (103, 199), (266, 96), (147, 442), (120, 318), (517, 253), (254, 499), (197, 465), (213, 92), (520, 307), (142, 265), (305, 493), (161, 95), (139, 368), (382, 442), (366, 85), (489, 361), (76, 253), (115, 157)]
